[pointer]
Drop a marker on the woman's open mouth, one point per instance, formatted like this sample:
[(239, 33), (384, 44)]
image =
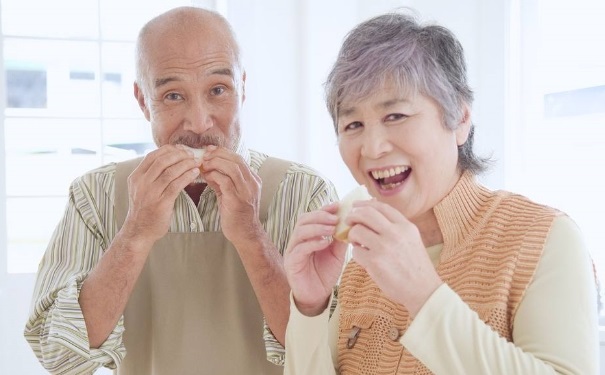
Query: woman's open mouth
[(390, 178)]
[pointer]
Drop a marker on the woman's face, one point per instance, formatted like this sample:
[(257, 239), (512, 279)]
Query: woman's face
[(398, 146)]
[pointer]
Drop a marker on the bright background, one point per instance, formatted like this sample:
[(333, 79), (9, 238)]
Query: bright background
[(537, 68)]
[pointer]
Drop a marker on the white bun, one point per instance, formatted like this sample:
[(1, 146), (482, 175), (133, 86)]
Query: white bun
[(198, 153), (360, 193)]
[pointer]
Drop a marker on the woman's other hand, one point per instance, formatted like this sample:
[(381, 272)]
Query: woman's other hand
[(313, 260)]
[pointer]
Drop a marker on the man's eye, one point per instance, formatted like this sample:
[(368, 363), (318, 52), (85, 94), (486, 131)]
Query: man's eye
[(218, 90), (173, 96)]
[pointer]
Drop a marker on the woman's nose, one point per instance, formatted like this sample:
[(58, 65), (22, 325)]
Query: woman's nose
[(376, 142)]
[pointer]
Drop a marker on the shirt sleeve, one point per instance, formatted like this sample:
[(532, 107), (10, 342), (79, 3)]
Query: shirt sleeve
[(555, 330), (303, 190), (55, 329)]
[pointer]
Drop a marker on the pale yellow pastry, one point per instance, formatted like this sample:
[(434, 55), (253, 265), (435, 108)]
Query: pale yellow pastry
[(360, 193)]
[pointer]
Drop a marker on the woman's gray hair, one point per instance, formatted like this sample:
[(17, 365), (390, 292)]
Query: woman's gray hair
[(426, 59)]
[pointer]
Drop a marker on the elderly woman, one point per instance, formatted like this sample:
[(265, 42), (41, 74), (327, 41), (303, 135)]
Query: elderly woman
[(446, 276)]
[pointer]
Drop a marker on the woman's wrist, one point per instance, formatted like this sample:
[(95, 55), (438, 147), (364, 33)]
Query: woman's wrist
[(311, 309)]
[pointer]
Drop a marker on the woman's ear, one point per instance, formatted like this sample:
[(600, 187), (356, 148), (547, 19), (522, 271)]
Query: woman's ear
[(464, 126), (244, 87), (140, 97)]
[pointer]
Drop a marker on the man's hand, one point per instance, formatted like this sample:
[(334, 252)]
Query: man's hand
[(238, 191), (153, 188)]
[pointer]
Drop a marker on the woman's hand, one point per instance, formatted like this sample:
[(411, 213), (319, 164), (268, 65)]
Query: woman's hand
[(391, 250), (313, 260)]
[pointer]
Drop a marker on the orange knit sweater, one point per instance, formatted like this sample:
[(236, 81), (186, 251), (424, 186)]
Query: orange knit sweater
[(492, 242)]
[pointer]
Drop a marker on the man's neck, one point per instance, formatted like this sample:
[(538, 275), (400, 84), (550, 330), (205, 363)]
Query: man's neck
[(195, 192)]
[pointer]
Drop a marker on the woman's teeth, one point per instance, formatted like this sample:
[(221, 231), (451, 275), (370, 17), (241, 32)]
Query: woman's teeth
[(390, 172)]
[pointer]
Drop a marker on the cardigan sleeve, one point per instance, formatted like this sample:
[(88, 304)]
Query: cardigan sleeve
[(309, 341), (555, 330)]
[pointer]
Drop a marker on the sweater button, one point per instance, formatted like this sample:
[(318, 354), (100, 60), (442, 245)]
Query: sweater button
[(352, 337), (393, 333)]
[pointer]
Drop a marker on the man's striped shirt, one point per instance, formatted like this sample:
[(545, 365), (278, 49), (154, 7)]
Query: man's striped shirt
[(56, 330)]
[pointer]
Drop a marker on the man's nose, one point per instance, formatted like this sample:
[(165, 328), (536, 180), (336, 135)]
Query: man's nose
[(199, 117)]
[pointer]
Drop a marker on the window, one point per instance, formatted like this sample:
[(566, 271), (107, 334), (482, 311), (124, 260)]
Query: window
[(69, 106), (66, 106), (556, 146)]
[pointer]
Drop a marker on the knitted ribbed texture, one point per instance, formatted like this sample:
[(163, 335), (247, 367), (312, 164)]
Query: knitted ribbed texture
[(492, 242)]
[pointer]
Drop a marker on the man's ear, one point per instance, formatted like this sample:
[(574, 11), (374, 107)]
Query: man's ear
[(244, 87), (140, 97), (464, 126)]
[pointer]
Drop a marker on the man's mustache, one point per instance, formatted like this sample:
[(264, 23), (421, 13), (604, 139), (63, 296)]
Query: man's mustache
[(199, 141)]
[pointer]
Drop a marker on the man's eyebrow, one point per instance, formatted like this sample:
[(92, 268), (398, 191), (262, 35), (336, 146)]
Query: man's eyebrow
[(222, 71), (163, 81)]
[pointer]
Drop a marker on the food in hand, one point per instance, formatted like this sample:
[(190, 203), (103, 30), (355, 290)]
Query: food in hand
[(198, 153), (360, 193)]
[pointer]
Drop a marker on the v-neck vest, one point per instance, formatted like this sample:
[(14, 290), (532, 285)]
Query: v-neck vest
[(193, 309), (493, 242)]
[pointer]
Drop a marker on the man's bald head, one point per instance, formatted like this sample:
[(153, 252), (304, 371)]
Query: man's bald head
[(178, 28)]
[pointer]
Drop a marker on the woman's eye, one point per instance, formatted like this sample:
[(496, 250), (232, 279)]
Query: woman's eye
[(352, 126), (395, 117)]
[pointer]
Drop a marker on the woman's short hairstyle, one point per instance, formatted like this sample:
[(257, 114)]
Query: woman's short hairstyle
[(426, 59)]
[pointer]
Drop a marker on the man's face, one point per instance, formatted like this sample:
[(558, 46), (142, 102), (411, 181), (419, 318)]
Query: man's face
[(193, 91)]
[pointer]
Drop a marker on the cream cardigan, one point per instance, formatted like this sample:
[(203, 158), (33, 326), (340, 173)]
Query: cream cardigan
[(555, 327)]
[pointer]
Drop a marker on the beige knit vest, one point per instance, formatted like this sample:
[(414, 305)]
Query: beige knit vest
[(492, 244)]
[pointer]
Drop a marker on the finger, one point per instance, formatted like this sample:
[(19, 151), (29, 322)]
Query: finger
[(314, 231), (317, 217), (230, 181), (368, 216), (168, 158), (148, 160), (300, 251), (389, 212), (178, 183), (232, 165), (331, 208), (151, 179), (220, 183), (313, 227)]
